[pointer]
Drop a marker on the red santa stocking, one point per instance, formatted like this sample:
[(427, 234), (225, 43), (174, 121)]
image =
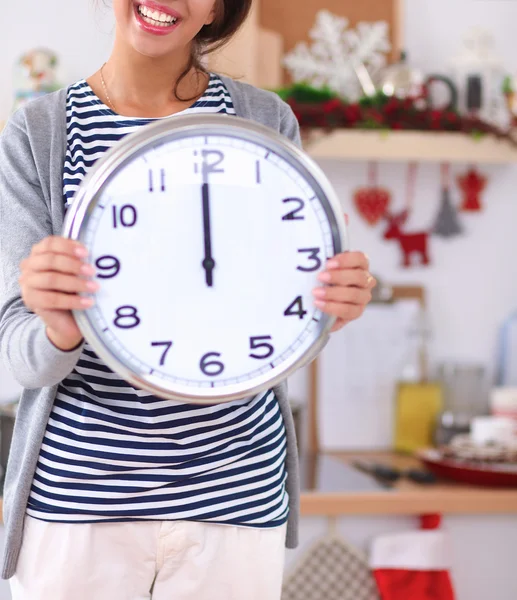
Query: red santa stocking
[(413, 565)]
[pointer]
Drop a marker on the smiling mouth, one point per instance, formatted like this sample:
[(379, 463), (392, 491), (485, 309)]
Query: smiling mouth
[(155, 17)]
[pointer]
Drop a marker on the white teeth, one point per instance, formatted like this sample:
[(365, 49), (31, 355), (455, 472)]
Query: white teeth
[(154, 17)]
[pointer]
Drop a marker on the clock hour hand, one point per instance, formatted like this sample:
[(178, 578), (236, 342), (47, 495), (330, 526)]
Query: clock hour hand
[(208, 262)]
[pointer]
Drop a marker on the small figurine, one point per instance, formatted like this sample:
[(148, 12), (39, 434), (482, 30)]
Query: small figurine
[(35, 75)]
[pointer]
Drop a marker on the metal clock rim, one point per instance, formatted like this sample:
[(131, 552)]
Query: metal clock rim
[(158, 133)]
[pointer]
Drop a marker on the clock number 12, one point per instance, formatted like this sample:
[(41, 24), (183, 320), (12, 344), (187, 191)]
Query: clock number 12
[(212, 159)]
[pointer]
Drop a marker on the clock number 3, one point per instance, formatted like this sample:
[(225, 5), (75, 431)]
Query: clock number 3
[(313, 255)]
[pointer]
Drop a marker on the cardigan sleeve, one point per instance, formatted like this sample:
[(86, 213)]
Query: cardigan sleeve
[(289, 125), (24, 220)]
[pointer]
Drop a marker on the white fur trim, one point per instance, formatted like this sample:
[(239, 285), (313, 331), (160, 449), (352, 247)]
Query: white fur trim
[(416, 550)]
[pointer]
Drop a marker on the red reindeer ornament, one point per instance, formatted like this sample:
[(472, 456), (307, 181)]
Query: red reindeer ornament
[(410, 243)]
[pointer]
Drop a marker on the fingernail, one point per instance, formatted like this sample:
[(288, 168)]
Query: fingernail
[(92, 286), (319, 303), (87, 302), (87, 270), (81, 251), (325, 277), (332, 264), (319, 292)]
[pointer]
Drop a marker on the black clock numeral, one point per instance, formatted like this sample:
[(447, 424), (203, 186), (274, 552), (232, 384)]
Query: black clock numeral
[(109, 264), (127, 317), (313, 255), (152, 187), (260, 342), (257, 171), (211, 368), (125, 216), (168, 346), (295, 309), (293, 215), (211, 162)]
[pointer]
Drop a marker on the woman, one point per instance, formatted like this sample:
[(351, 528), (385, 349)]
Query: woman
[(85, 516)]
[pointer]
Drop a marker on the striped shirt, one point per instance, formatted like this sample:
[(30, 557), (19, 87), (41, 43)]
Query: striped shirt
[(115, 453)]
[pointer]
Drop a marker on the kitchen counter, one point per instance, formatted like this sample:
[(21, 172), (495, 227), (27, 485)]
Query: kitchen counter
[(327, 490), (332, 487)]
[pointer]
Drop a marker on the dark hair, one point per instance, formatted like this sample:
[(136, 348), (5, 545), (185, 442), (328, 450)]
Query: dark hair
[(230, 15)]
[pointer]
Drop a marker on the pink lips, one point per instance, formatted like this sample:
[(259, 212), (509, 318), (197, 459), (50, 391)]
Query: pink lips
[(156, 29)]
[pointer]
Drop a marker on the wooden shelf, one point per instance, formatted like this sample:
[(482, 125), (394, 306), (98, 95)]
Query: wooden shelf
[(409, 146), (409, 498)]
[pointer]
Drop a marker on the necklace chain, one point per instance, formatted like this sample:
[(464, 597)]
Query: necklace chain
[(110, 103)]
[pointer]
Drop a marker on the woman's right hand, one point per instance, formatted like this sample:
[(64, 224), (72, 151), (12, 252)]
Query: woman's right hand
[(51, 279)]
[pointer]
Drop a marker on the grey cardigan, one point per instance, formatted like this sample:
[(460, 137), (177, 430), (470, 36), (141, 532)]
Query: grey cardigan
[(32, 151)]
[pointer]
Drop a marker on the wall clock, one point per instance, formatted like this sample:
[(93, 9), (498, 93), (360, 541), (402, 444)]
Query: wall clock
[(207, 233)]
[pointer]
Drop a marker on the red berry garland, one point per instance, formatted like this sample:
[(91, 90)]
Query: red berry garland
[(319, 109)]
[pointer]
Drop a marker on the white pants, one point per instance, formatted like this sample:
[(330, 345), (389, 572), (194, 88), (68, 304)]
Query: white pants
[(162, 560)]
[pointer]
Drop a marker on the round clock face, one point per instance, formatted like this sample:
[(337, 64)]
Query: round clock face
[(207, 234)]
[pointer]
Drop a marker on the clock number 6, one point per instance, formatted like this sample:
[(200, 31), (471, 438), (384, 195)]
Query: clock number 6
[(168, 346), (211, 368), (259, 342)]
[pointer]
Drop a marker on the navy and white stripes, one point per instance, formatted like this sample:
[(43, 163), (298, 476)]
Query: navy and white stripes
[(92, 127), (112, 452)]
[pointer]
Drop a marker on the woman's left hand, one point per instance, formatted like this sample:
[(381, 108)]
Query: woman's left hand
[(348, 287)]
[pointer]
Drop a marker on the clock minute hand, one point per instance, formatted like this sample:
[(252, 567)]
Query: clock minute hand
[(208, 262)]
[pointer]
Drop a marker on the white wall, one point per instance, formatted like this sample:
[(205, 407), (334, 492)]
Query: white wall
[(472, 284), (80, 34)]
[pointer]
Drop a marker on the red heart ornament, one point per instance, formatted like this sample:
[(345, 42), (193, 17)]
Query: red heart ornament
[(372, 203)]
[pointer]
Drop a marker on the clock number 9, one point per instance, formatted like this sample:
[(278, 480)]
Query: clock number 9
[(211, 368), (259, 342), (110, 265)]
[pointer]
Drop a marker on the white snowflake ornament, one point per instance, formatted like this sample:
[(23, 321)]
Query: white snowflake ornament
[(339, 55)]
